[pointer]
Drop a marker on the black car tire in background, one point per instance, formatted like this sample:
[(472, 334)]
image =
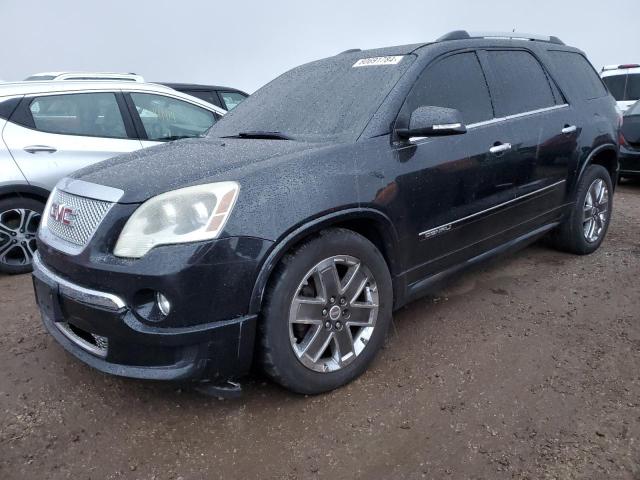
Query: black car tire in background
[(19, 220), (571, 236), (279, 360)]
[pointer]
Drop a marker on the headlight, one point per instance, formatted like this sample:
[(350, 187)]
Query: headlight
[(187, 215)]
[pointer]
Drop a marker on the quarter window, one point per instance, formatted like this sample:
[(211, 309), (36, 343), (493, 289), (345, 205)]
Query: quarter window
[(454, 82), (86, 114), (575, 71), (521, 83), (166, 118)]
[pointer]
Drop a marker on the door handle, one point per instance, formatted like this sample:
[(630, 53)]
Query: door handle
[(569, 129), (40, 149), (500, 148)]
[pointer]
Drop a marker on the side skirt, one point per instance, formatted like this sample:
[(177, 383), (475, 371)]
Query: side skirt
[(436, 281)]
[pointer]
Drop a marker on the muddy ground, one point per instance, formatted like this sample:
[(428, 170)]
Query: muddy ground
[(527, 368)]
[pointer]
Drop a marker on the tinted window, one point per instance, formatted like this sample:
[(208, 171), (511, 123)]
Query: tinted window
[(577, 74), (624, 87), (522, 84), (455, 82), (87, 114), (166, 118), (231, 99), (206, 95)]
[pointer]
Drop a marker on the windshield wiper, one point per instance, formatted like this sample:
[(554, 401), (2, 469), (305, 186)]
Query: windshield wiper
[(264, 134)]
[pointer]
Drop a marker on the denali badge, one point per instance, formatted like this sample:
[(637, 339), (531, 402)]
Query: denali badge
[(63, 214)]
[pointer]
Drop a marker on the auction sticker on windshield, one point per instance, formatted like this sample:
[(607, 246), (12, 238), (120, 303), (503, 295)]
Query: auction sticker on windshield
[(376, 61)]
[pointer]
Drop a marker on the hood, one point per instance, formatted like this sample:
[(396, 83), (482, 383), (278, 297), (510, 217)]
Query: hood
[(146, 173)]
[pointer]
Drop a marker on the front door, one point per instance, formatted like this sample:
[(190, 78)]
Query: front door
[(454, 185), (58, 134)]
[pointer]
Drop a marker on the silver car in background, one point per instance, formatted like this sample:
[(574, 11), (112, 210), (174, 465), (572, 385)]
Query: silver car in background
[(49, 129)]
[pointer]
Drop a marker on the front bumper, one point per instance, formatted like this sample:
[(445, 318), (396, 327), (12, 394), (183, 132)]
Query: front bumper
[(629, 162), (100, 329)]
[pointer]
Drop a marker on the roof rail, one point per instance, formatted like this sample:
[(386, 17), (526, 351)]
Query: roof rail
[(465, 35), (351, 50)]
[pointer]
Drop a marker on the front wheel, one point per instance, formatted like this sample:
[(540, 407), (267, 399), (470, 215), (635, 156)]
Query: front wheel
[(19, 220), (327, 311), (583, 232)]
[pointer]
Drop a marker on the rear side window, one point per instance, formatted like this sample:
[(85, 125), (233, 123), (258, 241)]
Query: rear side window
[(86, 114), (576, 74), (454, 82), (231, 99), (521, 83), (624, 87), (166, 118)]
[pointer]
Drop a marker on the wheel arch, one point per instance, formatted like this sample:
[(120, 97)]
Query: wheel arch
[(370, 223), (29, 191), (605, 155)]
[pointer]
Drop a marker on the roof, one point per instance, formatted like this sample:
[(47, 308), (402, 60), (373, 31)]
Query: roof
[(197, 86), (12, 89), (88, 75), (611, 70)]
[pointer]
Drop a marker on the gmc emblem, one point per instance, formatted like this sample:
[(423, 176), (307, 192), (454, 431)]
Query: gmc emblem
[(63, 214)]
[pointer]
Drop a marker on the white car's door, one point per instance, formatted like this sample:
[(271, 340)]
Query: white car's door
[(61, 133)]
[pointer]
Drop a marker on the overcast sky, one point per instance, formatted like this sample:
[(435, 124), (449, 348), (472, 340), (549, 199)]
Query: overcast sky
[(246, 44)]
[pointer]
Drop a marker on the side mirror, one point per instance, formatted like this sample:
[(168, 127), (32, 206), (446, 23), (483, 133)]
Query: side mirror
[(433, 122)]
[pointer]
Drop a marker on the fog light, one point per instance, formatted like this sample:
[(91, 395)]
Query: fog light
[(163, 304)]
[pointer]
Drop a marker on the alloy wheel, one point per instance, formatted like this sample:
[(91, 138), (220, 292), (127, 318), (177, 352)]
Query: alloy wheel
[(333, 313), (596, 210), (18, 229)]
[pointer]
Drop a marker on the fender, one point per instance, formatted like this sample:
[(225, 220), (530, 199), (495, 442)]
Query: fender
[(26, 190), (284, 244), (588, 161)]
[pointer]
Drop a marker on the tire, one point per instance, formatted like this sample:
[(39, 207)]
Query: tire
[(283, 339), (19, 220), (571, 236)]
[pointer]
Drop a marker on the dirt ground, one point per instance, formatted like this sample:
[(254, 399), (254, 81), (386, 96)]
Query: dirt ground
[(528, 369)]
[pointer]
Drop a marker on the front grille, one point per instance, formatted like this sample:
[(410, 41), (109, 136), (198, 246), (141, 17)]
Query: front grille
[(88, 341), (87, 215)]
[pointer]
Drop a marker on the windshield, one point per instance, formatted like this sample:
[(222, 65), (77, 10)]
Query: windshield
[(624, 87), (331, 99)]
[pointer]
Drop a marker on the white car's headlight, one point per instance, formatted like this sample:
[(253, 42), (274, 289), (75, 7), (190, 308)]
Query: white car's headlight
[(189, 214)]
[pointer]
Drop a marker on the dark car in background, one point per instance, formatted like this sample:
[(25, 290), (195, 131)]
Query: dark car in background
[(223, 97), (630, 143), (335, 194)]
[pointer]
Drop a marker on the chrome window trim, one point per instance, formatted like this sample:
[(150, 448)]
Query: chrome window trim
[(516, 115), (502, 119), (87, 296), (448, 226)]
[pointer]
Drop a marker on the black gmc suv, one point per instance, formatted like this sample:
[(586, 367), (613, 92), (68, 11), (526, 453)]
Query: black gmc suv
[(335, 194)]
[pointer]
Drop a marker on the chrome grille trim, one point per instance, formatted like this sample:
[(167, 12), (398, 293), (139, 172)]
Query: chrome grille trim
[(90, 202), (101, 347), (89, 215)]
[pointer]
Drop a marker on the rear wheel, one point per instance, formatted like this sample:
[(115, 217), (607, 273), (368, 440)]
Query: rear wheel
[(583, 232), (19, 220), (326, 312)]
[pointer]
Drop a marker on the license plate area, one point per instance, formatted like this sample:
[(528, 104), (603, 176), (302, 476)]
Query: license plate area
[(47, 298)]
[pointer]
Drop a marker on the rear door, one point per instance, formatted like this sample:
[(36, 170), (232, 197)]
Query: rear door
[(161, 118), (50, 136), (542, 130)]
